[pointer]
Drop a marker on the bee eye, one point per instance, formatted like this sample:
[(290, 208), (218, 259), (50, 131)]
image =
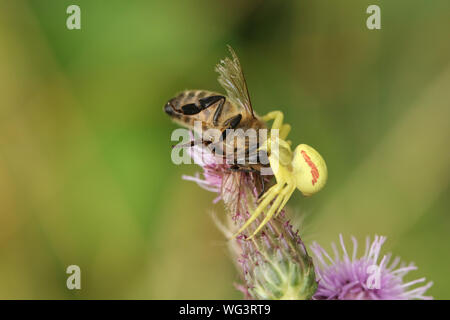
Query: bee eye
[(310, 170)]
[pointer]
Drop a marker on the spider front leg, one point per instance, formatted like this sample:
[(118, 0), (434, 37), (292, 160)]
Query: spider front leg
[(277, 117), (268, 197), (287, 195), (276, 207)]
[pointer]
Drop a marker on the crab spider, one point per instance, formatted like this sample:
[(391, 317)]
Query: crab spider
[(303, 169)]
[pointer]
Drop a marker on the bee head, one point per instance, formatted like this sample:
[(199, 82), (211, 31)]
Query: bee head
[(309, 169)]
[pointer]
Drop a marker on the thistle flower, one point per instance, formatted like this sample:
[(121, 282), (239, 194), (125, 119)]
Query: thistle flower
[(274, 264), (349, 278), (213, 172), (231, 187)]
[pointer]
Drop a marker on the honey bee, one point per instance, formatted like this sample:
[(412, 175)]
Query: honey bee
[(303, 169), (216, 111)]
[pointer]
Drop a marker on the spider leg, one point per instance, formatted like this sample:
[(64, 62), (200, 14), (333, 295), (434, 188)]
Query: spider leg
[(277, 117), (269, 215), (267, 193), (276, 207), (272, 193), (284, 131), (288, 193)]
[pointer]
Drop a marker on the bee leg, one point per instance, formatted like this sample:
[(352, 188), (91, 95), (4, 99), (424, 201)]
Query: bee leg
[(263, 186), (192, 108), (209, 101), (231, 123), (237, 168), (234, 168), (192, 143)]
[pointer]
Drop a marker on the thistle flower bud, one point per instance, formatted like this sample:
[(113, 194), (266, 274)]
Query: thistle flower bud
[(275, 264)]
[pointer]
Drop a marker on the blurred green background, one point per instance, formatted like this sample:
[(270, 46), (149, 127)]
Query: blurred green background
[(85, 171)]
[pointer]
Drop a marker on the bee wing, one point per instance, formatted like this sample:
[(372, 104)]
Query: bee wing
[(231, 78)]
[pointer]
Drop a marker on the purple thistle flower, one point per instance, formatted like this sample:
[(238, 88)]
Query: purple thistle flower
[(213, 172), (233, 188), (366, 278)]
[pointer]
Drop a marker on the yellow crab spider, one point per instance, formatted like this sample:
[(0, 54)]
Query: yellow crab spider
[(303, 169)]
